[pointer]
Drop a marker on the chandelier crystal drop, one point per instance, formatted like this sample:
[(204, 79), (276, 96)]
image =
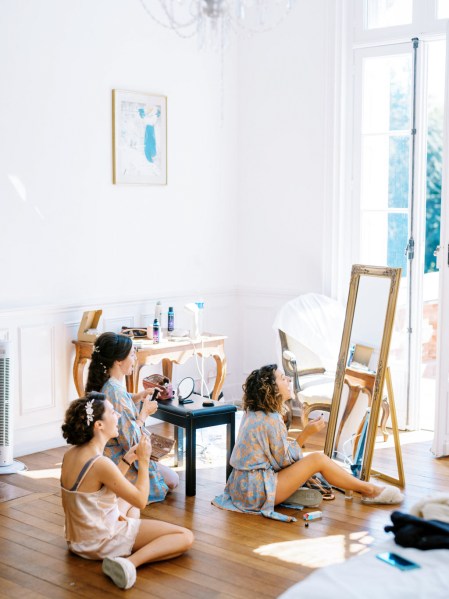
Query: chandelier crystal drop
[(212, 20)]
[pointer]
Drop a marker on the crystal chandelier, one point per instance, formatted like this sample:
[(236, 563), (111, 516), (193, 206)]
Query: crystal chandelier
[(212, 20)]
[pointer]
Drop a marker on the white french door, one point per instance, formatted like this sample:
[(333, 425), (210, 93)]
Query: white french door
[(397, 114)]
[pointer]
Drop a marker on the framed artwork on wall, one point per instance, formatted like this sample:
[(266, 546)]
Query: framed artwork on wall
[(139, 138)]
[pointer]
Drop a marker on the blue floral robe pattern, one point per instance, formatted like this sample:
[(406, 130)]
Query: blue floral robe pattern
[(129, 435), (261, 450)]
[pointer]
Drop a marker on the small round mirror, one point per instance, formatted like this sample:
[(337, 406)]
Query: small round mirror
[(185, 389)]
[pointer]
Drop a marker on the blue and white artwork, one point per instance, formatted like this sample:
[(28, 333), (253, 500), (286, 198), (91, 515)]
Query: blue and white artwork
[(140, 142)]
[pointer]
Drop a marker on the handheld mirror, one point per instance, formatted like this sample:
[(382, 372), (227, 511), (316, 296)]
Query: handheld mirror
[(185, 390)]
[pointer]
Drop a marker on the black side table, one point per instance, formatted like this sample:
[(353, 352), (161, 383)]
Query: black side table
[(191, 417)]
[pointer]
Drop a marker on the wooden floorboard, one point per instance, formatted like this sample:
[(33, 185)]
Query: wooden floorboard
[(234, 555)]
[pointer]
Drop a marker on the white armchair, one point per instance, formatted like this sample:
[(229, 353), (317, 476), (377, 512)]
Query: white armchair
[(310, 326)]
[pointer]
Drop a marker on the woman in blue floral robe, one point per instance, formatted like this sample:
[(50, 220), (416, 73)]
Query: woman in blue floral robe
[(113, 357), (267, 466)]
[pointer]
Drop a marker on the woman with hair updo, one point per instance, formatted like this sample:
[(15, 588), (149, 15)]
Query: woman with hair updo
[(268, 468), (113, 358), (101, 507)]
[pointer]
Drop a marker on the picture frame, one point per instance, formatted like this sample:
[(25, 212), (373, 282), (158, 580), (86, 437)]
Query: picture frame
[(139, 138)]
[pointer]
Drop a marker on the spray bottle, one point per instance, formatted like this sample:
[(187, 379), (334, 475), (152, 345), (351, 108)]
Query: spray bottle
[(171, 319), (156, 331)]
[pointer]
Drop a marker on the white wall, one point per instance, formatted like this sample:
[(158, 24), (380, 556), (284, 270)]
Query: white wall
[(246, 185), (284, 134), (64, 58)]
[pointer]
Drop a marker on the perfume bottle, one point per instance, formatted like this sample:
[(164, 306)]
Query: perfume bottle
[(156, 331), (171, 319), (158, 317)]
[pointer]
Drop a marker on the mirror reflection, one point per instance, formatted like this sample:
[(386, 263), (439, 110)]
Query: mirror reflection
[(185, 389)]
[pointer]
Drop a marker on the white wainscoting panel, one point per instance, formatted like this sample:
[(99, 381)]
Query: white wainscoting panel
[(115, 324), (260, 343), (36, 371), (43, 353)]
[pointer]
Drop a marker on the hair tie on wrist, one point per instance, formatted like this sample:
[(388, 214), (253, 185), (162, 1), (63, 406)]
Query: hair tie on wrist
[(126, 462)]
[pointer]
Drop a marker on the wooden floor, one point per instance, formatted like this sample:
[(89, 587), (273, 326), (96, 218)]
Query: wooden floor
[(234, 555)]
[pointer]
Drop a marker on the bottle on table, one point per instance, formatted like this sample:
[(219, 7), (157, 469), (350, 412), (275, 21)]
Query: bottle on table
[(156, 331), (171, 319), (158, 317)]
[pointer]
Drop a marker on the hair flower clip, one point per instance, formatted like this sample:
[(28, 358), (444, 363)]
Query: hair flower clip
[(96, 350), (89, 411)]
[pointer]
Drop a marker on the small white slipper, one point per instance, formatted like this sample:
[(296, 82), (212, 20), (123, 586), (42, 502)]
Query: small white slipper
[(120, 570), (388, 495)]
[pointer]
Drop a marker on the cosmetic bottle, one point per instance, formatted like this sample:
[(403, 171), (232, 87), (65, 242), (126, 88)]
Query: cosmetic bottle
[(156, 331), (158, 317), (171, 320), (312, 515)]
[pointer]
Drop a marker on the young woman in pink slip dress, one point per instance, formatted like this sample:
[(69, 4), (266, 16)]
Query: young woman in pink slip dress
[(101, 507)]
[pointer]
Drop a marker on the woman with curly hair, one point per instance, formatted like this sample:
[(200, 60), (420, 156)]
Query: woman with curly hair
[(113, 358), (101, 507), (268, 468)]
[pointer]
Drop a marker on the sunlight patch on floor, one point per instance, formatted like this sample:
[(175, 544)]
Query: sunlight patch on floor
[(312, 553), (362, 537), (37, 474)]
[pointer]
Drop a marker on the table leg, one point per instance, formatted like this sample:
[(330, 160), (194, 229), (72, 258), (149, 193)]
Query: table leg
[(167, 368), (220, 361), (78, 371), (132, 380), (230, 442), (179, 445), (191, 460)]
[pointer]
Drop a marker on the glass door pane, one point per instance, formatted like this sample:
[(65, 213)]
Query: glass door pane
[(385, 147), (388, 13), (443, 9)]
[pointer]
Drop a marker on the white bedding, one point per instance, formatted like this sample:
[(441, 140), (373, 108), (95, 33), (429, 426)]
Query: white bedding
[(366, 577)]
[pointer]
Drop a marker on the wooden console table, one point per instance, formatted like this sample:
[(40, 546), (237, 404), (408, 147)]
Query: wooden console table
[(167, 352)]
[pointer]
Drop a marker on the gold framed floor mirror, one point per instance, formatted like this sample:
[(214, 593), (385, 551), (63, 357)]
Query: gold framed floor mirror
[(363, 390)]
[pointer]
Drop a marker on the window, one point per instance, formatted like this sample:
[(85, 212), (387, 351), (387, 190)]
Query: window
[(388, 13)]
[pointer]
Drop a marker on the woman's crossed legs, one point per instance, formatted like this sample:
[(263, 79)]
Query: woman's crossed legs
[(291, 478)]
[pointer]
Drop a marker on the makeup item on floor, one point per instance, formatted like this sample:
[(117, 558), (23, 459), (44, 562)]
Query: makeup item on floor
[(293, 506), (312, 515), (160, 446), (305, 497)]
